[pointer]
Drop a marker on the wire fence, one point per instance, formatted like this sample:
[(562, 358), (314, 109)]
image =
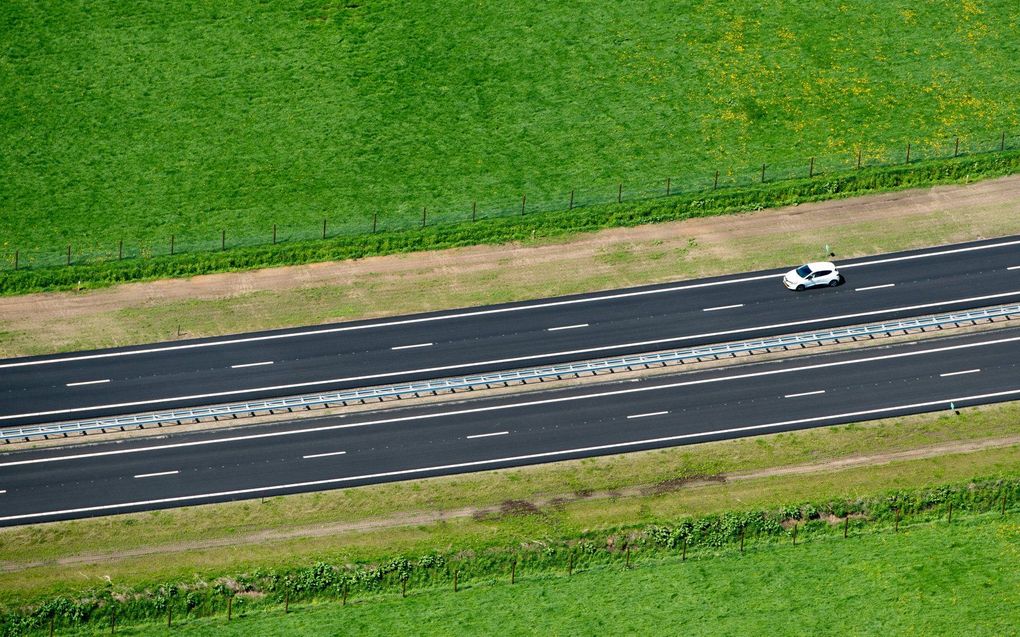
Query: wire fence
[(746, 174)]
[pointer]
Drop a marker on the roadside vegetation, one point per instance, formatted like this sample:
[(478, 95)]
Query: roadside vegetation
[(497, 513), (188, 122)]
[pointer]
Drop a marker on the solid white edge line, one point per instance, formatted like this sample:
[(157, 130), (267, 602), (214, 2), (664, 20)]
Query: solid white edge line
[(88, 382), (323, 455), (251, 364), (498, 433), (160, 473), (807, 393), (530, 403), (411, 346), (443, 368), (875, 287), (651, 413), (966, 371), (722, 307), (566, 327), (606, 297), (532, 456)]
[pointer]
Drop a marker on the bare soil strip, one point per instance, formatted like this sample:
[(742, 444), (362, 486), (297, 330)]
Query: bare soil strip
[(419, 518), (377, 286)]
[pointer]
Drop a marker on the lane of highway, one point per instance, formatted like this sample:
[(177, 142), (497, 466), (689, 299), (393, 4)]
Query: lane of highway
[(332, 452), (500, 337)]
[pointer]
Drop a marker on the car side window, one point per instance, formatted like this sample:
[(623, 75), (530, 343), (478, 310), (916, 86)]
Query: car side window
[(823, 273)]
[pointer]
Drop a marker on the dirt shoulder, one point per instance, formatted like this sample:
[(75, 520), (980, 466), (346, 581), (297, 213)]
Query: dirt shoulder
[(287, 296), (433, 517)]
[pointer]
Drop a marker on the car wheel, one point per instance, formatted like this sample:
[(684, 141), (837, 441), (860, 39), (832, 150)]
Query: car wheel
[(800, 288), (833, 283)]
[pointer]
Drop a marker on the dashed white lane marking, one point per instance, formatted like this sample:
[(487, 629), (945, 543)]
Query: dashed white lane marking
[(501, 310), (1013, 267), (497, 433), (807, 393), (155, 475), (251, 364), (652, 413), (323, 455), (723, 307), (514, 359), (566, 327), (493, 461), (411, 346), (88, 382), (3, 491), (966, 371), (875, 287), (527, 403)]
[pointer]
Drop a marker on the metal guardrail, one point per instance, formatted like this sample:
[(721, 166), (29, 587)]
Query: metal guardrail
[(487, 381)]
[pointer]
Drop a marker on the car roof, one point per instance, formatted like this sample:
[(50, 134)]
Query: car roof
[(821, 265)]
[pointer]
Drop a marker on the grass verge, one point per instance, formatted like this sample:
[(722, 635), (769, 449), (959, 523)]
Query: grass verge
[(466, 512), (930, 578), (509, 229)]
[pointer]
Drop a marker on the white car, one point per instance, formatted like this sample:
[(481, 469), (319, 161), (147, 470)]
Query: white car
[(813, 275)]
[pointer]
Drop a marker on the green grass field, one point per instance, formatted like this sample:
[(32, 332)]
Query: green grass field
[(137, 122), (928, 579)]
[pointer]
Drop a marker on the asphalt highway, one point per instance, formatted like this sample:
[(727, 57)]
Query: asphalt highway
[(588, 420), (453, 343)]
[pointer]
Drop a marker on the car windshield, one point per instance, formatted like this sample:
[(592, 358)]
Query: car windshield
[(803, 271)]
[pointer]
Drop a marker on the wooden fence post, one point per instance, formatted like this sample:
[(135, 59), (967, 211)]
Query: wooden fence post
[(684, 558), (403, 586), (858, 159), (795, 534), (423, 217), (571, 207), (628, 556), (223, 240), (524, 201), (763, 173), (570, 564), (344, 601), (1003, 504), (619, 194), (956, 151), (323, 228), (455, 574), (230, 607), (908, 152), (950, 518), (286, 601), (741, 539), (15, 260), (474, 210), (811, 168), (52, 618), (169, 616), (846, 525), (897, 527), (113, 622), (120, 255), (274, 234), (715, 184), (171, 245), (69, 254), (667, 186), (375, 221), (513, 570), (1002, 144)]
